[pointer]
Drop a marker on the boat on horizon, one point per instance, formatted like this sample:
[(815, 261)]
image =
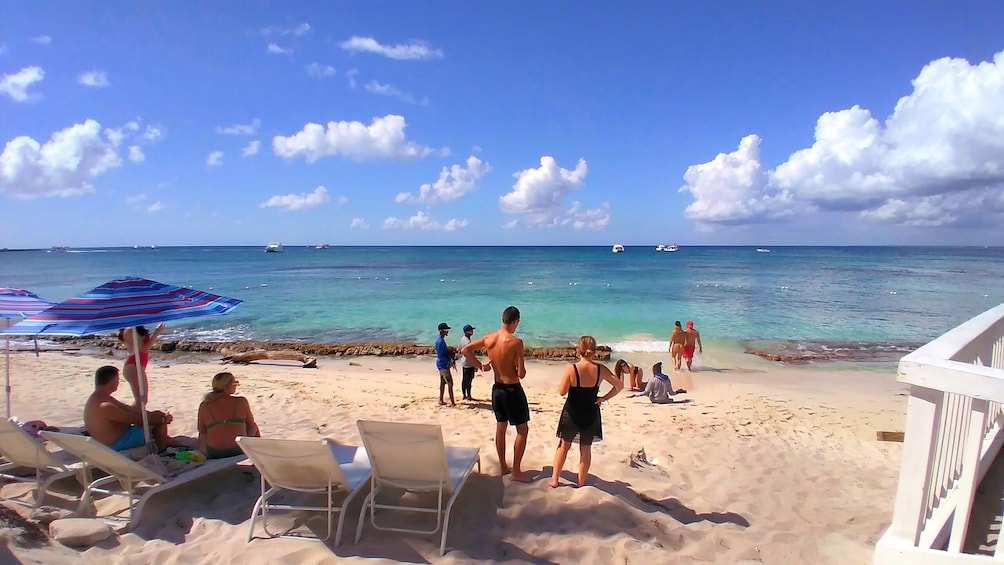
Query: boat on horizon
[(618, 248), (670, 248), (762, 250), (273, 247), (321, 246)]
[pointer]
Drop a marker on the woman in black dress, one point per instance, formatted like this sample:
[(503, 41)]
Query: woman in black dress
[(580, 418)]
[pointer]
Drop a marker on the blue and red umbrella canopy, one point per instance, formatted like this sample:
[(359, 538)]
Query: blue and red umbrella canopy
[(123, 303), (18, 303)]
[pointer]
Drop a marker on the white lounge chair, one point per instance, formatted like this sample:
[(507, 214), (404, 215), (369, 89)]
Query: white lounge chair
[(413, 458), (128, 472), (318, 467), (21, 450)]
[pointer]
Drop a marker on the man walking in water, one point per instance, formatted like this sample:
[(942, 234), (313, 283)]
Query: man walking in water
[(693, 338), (505, 358)]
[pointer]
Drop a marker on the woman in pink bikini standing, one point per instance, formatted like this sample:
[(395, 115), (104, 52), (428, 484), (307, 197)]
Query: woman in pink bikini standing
[(146, 341)]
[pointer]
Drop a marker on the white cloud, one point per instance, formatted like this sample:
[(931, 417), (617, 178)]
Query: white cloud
[(342, 200), (16, 85), (297, 201), (297, 30), (41, 39), (392, 91), (155, 207), (63, 166), (941, 150), (538, 193), (94, 79), (240, 129), (351, 75), (422, 221), (318, 70), (510, 224), (152, 134), (136, 154), (416, 50), (116, 135), (214, 159), (251, 148), (359, 224), (383, 138), (452, 183), (276, 49), (135, 199)]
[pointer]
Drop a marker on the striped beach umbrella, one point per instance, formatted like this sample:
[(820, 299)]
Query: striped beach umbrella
[(124, 303), (17, 304)]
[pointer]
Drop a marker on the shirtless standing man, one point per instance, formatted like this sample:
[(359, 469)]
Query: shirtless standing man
[(115, 423), (693, 338), (505, 359)]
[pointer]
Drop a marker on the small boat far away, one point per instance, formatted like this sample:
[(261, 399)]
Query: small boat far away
[(669, 248), (762, 250), (618, 248), (321, 246), (274, 247)]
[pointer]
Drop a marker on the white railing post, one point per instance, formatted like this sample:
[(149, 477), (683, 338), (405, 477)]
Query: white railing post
[(923, 416), (971, 474)]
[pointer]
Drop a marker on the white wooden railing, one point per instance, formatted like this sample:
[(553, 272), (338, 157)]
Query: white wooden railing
[(953, 433)]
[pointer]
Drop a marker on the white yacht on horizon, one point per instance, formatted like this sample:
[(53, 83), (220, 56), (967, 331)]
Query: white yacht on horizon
[(273, 247), (618, 248)]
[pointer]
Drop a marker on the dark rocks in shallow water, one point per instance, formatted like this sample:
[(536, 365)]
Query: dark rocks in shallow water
[(789, 356), (387, 349)]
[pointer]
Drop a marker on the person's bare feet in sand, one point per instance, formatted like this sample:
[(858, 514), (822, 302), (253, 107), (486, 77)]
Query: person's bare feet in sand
[(555, 484), (441, 403), (505, 471), (521, 477)]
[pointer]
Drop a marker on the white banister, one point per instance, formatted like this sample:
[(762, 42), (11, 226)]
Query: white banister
[(953, 433)]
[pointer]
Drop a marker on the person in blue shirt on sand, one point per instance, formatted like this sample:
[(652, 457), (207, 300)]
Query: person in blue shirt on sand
[(659, 389), (444, 363)]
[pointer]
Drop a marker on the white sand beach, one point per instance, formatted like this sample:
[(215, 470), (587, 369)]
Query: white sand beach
[(759, 464)]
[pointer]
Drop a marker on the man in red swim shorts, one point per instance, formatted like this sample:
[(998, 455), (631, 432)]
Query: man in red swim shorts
[(693, 339)]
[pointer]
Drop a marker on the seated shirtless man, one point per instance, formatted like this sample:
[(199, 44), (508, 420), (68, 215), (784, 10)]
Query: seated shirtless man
[(115, 423), (505, 358)]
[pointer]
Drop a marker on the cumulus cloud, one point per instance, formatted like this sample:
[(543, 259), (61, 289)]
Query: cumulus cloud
[(41, 39), (538, 193), (152, 134), (382, 138), (251, 148), (297, 201), (416, 50), (318, 70), (276, 49), (94, 79), (940, 152), (136, 154), (155, 207), (16, 85), (359, 224), (214, 159), (392, 91), (62, 166), (240, 129), (453, 182), (422, 221)]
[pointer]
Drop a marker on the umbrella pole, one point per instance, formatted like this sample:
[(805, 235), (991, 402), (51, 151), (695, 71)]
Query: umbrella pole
[(141, 401), (6, 375)]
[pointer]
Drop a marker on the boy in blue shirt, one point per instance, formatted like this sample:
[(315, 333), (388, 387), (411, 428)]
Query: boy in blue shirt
[(444, 363)]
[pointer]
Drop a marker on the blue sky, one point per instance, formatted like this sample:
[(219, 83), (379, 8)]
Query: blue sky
[(762, 123)]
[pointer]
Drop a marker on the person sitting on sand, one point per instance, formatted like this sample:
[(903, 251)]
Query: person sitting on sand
[(115, 423), (129, 371), (633, 373), (677, 341), (580, 418), (217, 432), (659, 388)]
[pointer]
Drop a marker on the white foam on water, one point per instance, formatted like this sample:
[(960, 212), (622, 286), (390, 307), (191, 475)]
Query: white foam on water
[(647, 346)]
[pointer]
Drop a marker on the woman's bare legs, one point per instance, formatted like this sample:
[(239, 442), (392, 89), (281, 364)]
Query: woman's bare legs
[(559, 461), (131, 376), (585, 458)]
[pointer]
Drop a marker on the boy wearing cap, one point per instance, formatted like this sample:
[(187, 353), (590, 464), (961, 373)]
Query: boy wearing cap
[(444, 362), (466, 366), (693, 338)]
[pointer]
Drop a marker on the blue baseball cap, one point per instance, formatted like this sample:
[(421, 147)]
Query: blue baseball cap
[(468, 328)]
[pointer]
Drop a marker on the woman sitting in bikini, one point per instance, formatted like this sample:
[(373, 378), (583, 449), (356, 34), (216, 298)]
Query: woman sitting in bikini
[(217, 431), (146, 341), (634, 374)]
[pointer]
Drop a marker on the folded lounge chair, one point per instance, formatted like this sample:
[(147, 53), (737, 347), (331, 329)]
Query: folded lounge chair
[(128, 472), (21, 450), (413, 458), (317, 467)]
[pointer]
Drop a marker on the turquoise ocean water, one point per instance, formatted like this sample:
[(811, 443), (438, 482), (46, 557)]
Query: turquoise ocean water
[(868, 302)]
